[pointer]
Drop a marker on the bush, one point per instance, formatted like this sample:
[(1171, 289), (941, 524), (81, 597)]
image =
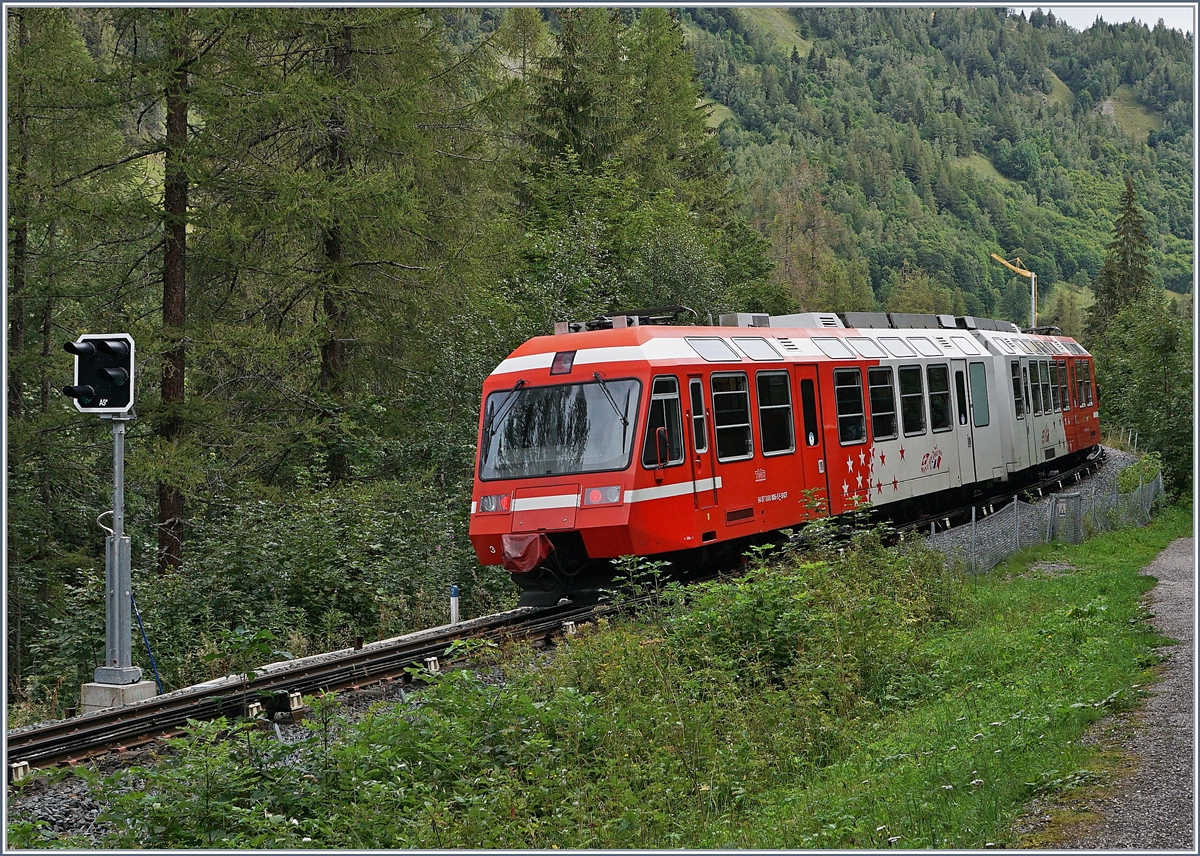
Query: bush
[(1143, 471)]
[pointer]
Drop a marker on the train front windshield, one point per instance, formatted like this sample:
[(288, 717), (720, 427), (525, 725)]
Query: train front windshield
[(558, 430)]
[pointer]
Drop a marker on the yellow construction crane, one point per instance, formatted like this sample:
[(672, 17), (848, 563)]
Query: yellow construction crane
[(1020, 269)]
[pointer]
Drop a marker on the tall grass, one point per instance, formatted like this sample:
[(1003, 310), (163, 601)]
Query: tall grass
[(863, 698)]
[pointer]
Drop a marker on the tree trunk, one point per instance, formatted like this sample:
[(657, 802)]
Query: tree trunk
[(19, 233), (170, 498), (333, 351)]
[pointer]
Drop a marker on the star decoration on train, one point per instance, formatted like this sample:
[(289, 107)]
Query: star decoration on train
[(862, 457), (845, 488), (895, 484), (850, 463), (902, 453), (879, 487), (882, 458)]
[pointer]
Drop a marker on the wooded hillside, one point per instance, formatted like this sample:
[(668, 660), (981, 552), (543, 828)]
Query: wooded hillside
[(324, 227)]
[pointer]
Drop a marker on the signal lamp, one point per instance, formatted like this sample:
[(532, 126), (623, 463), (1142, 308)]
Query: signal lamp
[(602, 495), (495, 502)]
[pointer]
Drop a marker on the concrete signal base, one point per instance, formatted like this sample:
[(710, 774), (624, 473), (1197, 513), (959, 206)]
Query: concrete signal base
[(97, 696)]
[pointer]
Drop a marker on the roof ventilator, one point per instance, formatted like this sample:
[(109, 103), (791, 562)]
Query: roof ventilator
[(660, 316)]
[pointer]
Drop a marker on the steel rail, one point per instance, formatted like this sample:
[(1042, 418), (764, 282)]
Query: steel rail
[(91, 734), (82, 737)]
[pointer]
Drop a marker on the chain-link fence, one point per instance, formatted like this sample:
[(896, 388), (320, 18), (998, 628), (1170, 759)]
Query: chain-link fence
[(988, 540)]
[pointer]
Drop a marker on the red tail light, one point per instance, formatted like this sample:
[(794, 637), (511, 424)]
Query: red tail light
[(602, 495), (495, 502)]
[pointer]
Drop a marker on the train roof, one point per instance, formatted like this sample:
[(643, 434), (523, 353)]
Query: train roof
[(750, 338)]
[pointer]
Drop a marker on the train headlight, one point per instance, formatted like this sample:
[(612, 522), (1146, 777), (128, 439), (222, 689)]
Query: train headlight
[(602, 495), (495, 502)]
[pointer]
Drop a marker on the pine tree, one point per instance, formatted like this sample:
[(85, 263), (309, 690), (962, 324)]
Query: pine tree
[(584, 92), (1125, 275)]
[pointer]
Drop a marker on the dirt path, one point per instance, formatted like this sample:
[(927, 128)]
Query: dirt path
[(1152, 805)]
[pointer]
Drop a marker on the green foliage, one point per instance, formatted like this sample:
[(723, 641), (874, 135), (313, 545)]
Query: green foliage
[(846, 701), (1142, 472), (1125, 275), (903, 119), (382, 203), (1144, 369)]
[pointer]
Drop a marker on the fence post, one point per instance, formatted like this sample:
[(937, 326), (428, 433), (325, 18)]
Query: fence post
[(1017, 523), (973, 562)]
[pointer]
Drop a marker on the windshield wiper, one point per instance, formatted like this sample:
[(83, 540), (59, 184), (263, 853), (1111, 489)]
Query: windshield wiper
[(604, 388), (490, 427)]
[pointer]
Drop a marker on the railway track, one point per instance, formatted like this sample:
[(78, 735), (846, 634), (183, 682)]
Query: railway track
[(82, 737), (1056, 480)]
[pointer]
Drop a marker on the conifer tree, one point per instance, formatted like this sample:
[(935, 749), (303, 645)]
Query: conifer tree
[(1125, 275)]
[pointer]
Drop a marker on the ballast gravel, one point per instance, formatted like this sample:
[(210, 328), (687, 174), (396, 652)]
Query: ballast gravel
[(1153, 807)]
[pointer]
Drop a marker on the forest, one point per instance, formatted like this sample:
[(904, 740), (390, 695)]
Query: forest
[(324, 227)]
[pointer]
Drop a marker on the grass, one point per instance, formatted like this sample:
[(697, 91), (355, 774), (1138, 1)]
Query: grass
[(781, 25), (1084, 297), (866, 698), (1048, 656), (983, 167), (1132, 117), (1060, 93), (718, 112)]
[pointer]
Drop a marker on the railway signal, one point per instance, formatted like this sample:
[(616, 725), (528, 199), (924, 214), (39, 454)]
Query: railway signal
[(104, 385), (103, 373)]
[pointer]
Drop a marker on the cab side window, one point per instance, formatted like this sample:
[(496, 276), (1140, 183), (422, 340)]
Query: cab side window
[(699, 426), (665, 414)]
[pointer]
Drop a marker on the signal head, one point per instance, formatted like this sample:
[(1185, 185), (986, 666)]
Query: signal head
[(103, 373)]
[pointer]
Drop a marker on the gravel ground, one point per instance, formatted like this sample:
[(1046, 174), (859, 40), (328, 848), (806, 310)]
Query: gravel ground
[(995, 535), (1152, 806)]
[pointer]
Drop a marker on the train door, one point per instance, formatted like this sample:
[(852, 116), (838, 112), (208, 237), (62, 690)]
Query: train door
[(1033, 408), (704, 482), (812, 445), (963, 432), (1070, 407)]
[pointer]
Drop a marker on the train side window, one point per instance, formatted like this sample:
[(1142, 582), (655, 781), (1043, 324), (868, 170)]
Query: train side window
[(1018, 399), (731, 416), (775, 413), (699, 426), (981, 415), (665, 414), (883, 403), (912, 400), (940, 418), (1036, 386), (848, 391), (1054, 385), (1064, 386), (1025, 380), (1085, 384), (960, 387), (1044, 370), (808, 403)]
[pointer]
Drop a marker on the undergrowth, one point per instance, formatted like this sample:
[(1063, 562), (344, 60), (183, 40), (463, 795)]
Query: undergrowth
[(855, 697)]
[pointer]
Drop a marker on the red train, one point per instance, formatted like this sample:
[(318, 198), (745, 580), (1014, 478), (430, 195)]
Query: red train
[(623, 436)]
